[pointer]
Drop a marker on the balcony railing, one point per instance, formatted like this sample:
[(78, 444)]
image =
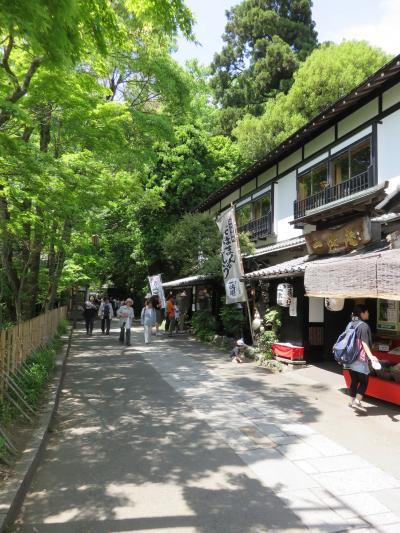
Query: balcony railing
[(259, 228), (358, 183)]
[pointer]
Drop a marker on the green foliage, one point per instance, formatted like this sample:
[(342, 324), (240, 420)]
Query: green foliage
[(326, 75), (204, 325), (36, 373), (273, 318), (265, 342), (264, 42), (272, 321), (87, 91), (193, 245), (232, 320)]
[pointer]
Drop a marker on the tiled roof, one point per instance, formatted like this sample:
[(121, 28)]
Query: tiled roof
[(292, 267), (187, 282), (278, 246)]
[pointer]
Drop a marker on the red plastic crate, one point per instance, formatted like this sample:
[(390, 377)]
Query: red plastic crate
[(293, 353)]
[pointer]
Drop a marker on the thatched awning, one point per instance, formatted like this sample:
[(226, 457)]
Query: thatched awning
[(360, 275)]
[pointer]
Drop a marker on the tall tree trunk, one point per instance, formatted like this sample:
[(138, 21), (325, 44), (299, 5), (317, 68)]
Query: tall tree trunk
[(57, 267)]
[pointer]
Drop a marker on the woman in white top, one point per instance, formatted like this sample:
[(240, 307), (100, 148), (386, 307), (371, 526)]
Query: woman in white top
[(148, 320), (126, 315)]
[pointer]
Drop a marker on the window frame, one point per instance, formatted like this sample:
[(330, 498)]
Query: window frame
[(329, 161)]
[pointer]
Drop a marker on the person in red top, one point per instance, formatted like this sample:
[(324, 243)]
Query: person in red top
[(171, 314)]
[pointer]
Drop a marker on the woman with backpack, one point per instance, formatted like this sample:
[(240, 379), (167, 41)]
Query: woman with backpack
[(106, 313), (359, 369)]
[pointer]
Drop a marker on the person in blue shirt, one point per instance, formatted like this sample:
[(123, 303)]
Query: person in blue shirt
[(359, 369)]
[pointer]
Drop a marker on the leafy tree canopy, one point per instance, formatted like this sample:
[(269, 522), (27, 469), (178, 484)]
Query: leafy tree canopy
[(193, 245), (264, 42), (326, 75)]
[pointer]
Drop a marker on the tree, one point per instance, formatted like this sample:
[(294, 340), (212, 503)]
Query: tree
[(193, 245), (67, 146), (264, 42), (324, 77)]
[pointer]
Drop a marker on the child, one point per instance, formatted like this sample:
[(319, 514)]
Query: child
[(237, 350), (148, 320)]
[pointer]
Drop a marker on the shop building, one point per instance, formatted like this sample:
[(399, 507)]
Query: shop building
[(317, 202)]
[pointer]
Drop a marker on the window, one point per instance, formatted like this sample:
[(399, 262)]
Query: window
[(352, 162), (360, 158), (243, 215), (315, 180), (254, 210)]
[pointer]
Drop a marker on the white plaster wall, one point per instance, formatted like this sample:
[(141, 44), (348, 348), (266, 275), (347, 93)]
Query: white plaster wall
[(389, 150), (284, 196)]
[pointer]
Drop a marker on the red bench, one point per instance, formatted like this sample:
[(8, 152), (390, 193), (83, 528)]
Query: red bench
[(381, 388), (288, 351)]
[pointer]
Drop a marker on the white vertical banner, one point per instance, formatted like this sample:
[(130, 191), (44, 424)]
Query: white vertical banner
[(157, 288), (232, 267)]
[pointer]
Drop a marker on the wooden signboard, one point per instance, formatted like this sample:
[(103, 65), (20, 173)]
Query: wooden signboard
[(340, 239)]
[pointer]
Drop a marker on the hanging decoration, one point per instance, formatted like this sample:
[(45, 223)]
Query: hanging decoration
[(334, 304), (284, 294)]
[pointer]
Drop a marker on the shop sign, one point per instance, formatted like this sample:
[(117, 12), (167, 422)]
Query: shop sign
[(340, 239), (388, 315), (157, 289), (232, 267)]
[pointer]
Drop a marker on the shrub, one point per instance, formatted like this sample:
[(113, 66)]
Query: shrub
[(204, 325), (272, 321), (232, 320)]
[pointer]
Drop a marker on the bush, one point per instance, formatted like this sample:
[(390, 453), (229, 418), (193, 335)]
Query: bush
[(265, 342), (272, 321), (204, 325), (232, 320)]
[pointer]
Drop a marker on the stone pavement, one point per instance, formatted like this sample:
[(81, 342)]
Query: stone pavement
[(173, 437)]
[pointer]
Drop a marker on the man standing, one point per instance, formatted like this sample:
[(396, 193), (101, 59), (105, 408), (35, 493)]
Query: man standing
[(171, 315), (106, 313), (126, 315)]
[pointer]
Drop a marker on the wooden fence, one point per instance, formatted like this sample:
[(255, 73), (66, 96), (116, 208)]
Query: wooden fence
[(18, 342)]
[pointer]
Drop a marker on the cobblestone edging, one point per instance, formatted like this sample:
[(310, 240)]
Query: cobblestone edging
[(15, 488)]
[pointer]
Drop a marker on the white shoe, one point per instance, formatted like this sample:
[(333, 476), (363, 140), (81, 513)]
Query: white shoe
[(359, 406)]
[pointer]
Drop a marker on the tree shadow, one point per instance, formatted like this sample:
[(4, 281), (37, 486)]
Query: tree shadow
[(128, 453)]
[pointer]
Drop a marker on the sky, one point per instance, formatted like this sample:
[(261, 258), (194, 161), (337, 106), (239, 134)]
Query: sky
[(376, 21)]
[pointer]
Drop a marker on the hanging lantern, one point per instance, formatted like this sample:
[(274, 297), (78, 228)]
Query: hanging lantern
[(95, 240), (334, 304), (256, 324), (284, 294)]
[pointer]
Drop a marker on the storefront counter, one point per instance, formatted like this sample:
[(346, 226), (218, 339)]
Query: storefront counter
[(382, 389)]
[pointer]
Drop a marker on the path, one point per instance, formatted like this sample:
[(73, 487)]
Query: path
[(172, 437)]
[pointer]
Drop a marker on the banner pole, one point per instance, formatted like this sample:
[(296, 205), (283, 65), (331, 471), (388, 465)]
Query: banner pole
[(247, 299)]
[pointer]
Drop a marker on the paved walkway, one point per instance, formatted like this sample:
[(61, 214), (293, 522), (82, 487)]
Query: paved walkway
[(173, 437)]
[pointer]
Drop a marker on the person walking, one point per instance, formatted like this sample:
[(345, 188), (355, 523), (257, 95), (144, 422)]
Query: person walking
[(171, 315), (89, 313), (159, 313), (359, 369), (148, 320), (126, 315), (106, 313)]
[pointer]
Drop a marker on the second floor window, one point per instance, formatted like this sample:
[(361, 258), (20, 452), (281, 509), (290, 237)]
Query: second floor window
[(352, 162), (254, 210), (315, 180)]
